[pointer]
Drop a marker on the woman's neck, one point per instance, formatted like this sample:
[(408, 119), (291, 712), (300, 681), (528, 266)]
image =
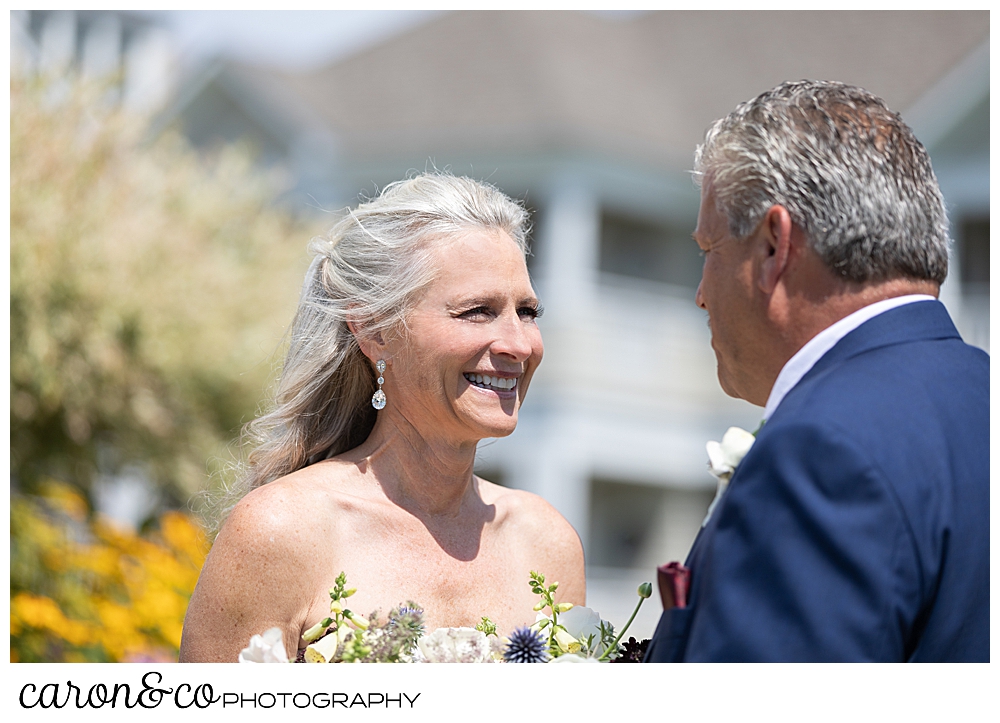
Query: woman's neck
[(426, 476)]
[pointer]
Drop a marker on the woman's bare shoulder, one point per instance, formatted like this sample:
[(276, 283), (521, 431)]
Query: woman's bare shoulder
[(547, 540), (294, 505), (269, 549), (524, 510)]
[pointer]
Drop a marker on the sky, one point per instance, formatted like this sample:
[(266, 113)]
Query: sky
[(297, 39)]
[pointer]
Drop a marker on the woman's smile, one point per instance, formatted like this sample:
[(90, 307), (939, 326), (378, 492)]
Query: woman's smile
[(502, 385)]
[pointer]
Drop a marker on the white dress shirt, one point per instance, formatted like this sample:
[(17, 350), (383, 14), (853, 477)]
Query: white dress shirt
[(806, 357)]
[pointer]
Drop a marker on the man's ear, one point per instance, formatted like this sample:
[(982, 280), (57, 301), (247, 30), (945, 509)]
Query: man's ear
[(372, 344), (775, 234)]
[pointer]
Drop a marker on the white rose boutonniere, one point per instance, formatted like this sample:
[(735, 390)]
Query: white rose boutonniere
[(723, 459)]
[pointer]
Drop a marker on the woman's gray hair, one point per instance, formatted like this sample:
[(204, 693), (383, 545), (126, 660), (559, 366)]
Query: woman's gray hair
[(848, 170), (369, 269)]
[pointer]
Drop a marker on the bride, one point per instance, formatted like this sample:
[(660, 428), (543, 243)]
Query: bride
[(415, 338)]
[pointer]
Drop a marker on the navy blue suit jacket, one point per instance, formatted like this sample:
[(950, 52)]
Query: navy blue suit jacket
[(857, 527)]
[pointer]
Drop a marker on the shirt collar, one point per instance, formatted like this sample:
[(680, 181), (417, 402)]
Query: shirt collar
[(806, 357)]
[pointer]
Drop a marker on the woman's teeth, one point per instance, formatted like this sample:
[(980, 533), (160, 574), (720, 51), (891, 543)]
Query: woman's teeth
[(487, 382)]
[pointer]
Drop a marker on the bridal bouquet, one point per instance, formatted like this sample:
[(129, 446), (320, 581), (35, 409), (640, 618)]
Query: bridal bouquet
[(561, 633)]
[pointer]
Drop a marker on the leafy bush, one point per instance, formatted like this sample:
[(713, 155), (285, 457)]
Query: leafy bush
[(149, 290)]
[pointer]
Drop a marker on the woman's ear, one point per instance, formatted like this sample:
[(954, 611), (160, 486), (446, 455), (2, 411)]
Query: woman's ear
[(372, 344)]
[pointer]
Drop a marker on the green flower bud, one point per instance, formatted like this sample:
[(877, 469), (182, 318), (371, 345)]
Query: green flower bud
[(487, 626), (313, 633), (645, 590), (350, 591), (356, 620), (316, 630), (539, 606)]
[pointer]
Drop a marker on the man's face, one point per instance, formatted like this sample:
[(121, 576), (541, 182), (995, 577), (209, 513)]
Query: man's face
[(727, 293)]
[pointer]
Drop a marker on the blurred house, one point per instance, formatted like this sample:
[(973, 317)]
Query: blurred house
[(592, 120), (128, 51)]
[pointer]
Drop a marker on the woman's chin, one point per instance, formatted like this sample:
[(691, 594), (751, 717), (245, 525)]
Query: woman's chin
[(492, 425), (499, 430)]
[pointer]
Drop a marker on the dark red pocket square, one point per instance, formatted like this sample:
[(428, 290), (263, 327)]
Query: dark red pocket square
[(674, 580)]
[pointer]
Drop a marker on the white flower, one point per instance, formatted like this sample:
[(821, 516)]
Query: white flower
[(415, 656), (724, 458), (323, 650), (571, 658), (580, 624), (456, 645), (266, 648), (497, 645), (567, 643)]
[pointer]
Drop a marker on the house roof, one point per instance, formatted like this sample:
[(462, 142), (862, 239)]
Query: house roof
[(643, 87)]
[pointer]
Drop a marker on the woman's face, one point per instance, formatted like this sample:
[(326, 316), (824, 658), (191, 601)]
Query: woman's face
[(463, 368)]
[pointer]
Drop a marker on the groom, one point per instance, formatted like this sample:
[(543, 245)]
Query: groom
[(857, 526)]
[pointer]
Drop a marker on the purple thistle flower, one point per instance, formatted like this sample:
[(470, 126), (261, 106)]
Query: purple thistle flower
[(526, 646)]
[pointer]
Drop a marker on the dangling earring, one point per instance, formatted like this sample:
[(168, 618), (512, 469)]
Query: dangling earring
[(378, 398)]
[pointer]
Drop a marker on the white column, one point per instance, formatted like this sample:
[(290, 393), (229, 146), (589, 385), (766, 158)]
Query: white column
[(102, 47), (24, 50), (58, 42), (568, 249), (149, 70), (676, 525), (951, 290)]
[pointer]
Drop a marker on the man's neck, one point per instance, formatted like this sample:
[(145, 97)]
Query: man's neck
[(798, 315), (839, 302), (817, 347)]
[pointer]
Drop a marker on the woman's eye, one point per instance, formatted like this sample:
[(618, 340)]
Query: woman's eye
[(479, 311)]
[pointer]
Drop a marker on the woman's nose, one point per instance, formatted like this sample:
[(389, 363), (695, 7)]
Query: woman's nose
[(513, 339)]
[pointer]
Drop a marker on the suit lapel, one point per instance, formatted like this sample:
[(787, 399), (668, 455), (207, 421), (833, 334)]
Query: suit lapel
[(921, 320)]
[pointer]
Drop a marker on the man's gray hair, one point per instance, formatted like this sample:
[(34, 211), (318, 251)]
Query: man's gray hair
[(850, 173)]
